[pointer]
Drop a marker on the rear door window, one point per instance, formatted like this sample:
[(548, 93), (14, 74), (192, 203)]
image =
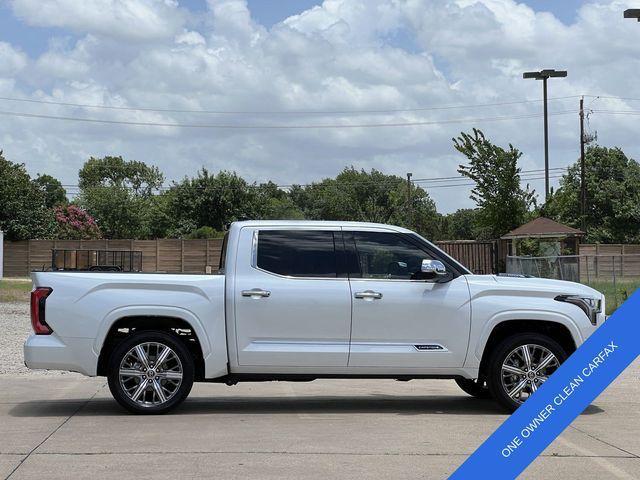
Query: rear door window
[(298, 253)]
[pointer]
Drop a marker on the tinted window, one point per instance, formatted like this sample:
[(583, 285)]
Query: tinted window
[(223, 253), (297, 253), (388, 255)]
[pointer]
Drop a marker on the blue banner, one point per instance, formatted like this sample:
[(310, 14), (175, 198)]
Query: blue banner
[(571, 389)]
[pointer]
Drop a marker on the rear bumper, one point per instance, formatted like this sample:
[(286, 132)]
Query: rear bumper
[(50, 352)]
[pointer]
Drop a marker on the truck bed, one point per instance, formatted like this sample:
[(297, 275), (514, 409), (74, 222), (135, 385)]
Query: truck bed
[(83, 306)]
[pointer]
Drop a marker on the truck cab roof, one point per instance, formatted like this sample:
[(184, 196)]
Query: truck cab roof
[(320, 223)]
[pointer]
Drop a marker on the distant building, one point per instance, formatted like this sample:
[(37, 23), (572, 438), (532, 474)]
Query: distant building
[(554, 238)]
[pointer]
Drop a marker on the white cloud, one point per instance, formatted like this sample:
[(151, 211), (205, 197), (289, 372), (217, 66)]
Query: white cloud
[(12, 60), (338, 56), (190, 38), (124, 19)]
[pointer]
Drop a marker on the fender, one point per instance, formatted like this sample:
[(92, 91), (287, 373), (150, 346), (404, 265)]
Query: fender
[(531, 315), (152, 311)]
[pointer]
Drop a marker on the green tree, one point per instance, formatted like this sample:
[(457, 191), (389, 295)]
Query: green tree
[(358, 195), (460, 225), (273, 203), (109, 171), (502, 203), (119, 194), (23, 212), (213, 201), (156, 219), (613, 197), (116, 210), (54, 193)]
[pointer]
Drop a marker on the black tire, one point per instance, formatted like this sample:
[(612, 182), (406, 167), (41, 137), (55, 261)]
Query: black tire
[(474, 388), (179, 393), (505, 349)]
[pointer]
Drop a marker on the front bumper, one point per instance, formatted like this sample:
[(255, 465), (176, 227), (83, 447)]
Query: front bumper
[(587, 329), (50, 352)]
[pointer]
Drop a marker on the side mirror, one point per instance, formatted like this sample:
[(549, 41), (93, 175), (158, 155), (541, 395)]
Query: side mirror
[(433, 268)]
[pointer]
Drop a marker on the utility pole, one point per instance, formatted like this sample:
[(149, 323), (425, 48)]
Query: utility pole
[(409, 209), (583, 184), (544, 75), (546, 140)]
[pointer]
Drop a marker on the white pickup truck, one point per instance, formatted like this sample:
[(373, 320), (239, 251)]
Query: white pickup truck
[(298, 300)]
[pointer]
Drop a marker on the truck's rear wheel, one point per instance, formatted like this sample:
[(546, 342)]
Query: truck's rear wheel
[(520, 365), (150, 372), (474, 388)]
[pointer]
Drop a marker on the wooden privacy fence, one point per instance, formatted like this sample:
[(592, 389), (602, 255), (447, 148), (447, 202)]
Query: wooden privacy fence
[(609, 261), (192, 256), (479, 257), (162, 255)]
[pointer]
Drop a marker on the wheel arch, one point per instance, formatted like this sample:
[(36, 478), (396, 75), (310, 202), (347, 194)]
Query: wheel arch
[(177, 320), (560, 329)]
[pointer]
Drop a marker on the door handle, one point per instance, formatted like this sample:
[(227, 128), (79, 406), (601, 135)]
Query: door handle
[(368, 294), (256, 293)]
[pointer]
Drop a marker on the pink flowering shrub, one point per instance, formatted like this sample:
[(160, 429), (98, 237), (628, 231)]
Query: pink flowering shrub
[(75, 224)]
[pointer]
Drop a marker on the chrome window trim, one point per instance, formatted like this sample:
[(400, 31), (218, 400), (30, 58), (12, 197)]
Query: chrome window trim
[(360, 279), (254, 252)]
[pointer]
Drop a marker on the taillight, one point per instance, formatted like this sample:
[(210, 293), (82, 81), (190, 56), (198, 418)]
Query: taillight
[(38, 298)]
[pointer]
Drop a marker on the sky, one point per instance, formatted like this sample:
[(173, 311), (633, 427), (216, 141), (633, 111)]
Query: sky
[(295, 90)]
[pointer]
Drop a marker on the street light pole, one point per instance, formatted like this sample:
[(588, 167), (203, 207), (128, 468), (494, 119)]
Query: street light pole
[(545, 75), (583, 180), (546, 140), (409, 206)]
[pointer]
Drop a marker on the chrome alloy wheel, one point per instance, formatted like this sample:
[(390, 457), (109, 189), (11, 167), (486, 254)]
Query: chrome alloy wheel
[(150, 374), (526, 368)]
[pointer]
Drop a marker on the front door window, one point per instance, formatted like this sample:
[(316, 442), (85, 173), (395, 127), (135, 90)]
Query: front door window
[(383, 255)]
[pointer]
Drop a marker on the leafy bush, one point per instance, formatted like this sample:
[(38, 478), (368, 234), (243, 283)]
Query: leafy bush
[(203, 233), (75, 224)]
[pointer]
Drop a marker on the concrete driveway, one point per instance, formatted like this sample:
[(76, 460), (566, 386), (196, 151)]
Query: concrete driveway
[(67, 426)]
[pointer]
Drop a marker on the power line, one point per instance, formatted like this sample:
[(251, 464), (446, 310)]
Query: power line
[(337, 187), (301, 112), (279, 112), (282, 126), (420, 181), (522, 172), (612, 97), (450, 183), (473, 184), (618, 112)]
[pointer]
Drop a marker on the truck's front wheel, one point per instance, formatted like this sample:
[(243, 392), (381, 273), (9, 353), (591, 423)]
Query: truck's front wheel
[(520, 365), (150, 372)]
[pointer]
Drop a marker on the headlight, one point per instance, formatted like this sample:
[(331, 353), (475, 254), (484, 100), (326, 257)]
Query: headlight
[(589, 305)]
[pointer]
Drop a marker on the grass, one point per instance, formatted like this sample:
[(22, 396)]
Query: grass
[(15, 289), (616, 296)]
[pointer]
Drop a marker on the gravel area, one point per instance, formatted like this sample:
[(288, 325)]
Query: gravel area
[(15, 326)]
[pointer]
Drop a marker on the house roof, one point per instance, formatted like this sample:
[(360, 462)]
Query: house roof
[(543, 227)]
